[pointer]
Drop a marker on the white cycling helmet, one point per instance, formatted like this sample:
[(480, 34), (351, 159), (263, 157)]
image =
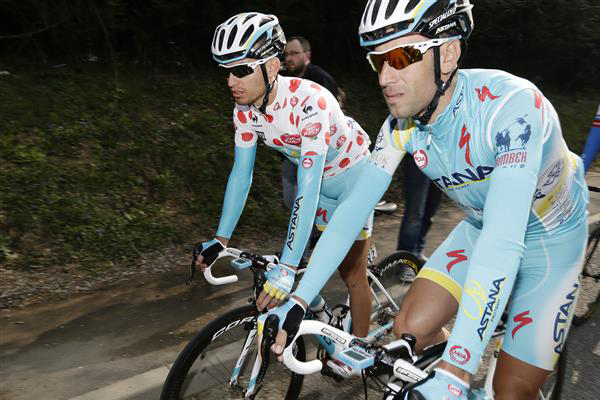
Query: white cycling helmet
[(247, 35), (385, 20)]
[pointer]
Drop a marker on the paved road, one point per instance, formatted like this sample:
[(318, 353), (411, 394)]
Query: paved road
[(117, 343)]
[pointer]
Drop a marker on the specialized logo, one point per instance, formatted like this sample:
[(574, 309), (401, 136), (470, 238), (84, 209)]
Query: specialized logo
[(491, 308), (537, 99), (460, 355), (294, 85), (307, 163), (323, 214), (420, 158), (458, 179), (311, 130), (442, 17), (464, 141), (522, 319), (562, 317), (458, 257), (294, 222), (484, 93), (294, 140)]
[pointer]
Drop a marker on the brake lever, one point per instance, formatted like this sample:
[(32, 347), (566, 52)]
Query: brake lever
[(270, 330)]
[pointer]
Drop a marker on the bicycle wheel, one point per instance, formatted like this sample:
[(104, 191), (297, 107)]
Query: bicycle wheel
[(396, 273), (552, 388), (589, 291), (204, 368)]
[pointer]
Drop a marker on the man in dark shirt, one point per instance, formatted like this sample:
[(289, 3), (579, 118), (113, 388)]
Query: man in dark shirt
[(297, 62)]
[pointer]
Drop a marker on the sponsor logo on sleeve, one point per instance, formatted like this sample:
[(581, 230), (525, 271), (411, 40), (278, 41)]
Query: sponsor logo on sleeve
[(294, 223), (311, 130), (420, 158), (460, 355)]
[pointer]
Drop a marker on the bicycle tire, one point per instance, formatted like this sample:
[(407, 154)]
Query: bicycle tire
[(212, 354), (553, 386), (588, 299), (396, 273)]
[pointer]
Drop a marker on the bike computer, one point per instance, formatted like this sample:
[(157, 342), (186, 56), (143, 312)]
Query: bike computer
[(356, 357)]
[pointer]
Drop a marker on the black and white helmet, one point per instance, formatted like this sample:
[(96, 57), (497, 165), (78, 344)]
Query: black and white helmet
[(247, 35), (384, 20)]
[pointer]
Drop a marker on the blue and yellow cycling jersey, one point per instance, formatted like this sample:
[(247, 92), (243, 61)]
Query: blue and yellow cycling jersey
[(498, 141), (497, 150)]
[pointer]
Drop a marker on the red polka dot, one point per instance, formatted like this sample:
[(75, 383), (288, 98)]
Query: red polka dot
[(294, 84), (292, 118), (315, 86), (247, 136), (297, 120), (327, 137), (322, 103), (250, 114), (344, 162), (277, 142), (241, 117), (349, 147), (269, 118), (311, 153), (327, 169), (359, 140)]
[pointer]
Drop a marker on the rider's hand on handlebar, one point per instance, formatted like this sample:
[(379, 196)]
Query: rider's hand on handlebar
[(207, 253), (280, 279), (291, 313)]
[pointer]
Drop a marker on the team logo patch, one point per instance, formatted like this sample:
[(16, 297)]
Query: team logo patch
[(307, 163), (311, 130), (420, 158), (294, 101), (460, 355), (294, 140), (454, 390)]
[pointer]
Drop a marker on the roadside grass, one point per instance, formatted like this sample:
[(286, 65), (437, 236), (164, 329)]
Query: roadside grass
[(93, 175)]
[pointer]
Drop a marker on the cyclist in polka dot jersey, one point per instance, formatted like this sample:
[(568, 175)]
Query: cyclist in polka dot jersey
[(302, 120)]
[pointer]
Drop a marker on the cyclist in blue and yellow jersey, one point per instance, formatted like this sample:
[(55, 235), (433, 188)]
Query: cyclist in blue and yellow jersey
[(493, 143), (304, 122)]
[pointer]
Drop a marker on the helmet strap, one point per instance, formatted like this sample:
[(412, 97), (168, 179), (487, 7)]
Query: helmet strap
[(441, 88), (269, 87)]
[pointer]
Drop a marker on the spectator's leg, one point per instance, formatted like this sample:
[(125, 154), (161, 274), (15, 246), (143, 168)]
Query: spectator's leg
[(434, 197), (416, 186), (289, 182)]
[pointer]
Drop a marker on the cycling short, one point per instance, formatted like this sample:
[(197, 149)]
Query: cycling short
[(334, 190), (543, 299)]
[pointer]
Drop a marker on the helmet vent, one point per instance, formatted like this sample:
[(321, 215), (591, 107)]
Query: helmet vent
[(411, 6), (247, 34), (248, 17), (366, 13), (375, 11), (231, 36), (389, 10), (221, 38), (264, 21)]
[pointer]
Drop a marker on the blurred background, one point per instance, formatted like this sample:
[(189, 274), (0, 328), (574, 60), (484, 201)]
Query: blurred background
[(115, 125)]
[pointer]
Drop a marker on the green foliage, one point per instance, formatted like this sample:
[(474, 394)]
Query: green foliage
[(93, 176)]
